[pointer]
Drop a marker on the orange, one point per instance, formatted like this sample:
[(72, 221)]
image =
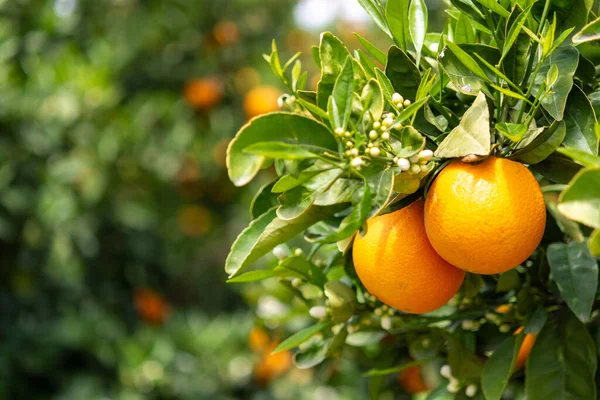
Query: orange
[(151, 306), (412, 381), (525, 349), (485, 218), (226, 32), (204, 93), (261, 100), (502, 309), (258, 340), (396, 263), (272, 365)]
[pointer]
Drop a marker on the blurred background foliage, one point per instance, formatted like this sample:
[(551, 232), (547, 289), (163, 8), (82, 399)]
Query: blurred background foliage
[(116, 212)]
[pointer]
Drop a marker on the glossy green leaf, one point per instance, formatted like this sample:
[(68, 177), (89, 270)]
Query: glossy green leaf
[(373, 50), (510, 93), (314, 109), (582, 157), (543, 145), (263, 200), (576, 274), (386, 86), (412, 142), (463, 362), (396, 370), (469, 8), (252, 276), (396, 12), (581, 200), (298, 266), (301, 336), (342, 301), (508, 280), (266, 232), (467, 61), (417, 24), (471, 136), (339, 106), (352, 223), (333, 55), (499, 367), (372, 99), (512, 131), (536, 320), (589, 33), (373, 9), (365, 338), (462, 77), (408, 112), (343, 190), (463, 30), (494, 6), (381, 186), (282, 127), (566, 60), (514, 30), (581, 123), (297, 201), (562, 363), (569, 227), (366, 63), (403, 73), (594, 243), (313, 354), (281, 150)]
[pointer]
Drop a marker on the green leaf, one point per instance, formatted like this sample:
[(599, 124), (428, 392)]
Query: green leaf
[(339, 107), (581, 123), (588, 33), (562, 363), (515, 30), (467, 61), (557, 169), (252, 276), (463, 31), (301, 336), (266, 232), (400, 368), (333, 55), (508, 280), (576, 274), (494, 6), (594, 243), (263, 201), (471, 285), (462, 77), (300, 267), (313, 354), (417, 25), (582, 157), (552, 76), (386, 86), (365, 338), (536, 321), (409, 112), (581, 200), (381, 185), (342, 301), (464, 363), (510, 93), (297, 201), (281, 150), (289, 181), (396, 12), (314, 109), (352, 223), (566, 60), (512, 131), (543, 145), (499, 367), (342, 191), (471, 136), (373, 9), (282, 127), (403, 73), (373, 50), (412, 142), (372, 99), (566, 225), (469, 8), (366, 63)]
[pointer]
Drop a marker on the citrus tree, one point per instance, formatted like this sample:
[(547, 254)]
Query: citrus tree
[(438, 199)]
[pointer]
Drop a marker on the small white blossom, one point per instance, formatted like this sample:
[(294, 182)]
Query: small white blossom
[(414, 159), (403, 164), (471, 390), (348, 134), (504, 328), (376, 125), (374, 151), (397, 98), (445, 371), (354, 152), (425, 155), (339, 131), (357, 162), (407, 103), (386, 323), (280, 252), (385, 136), (318, 312), (415, 169), (373, 135)]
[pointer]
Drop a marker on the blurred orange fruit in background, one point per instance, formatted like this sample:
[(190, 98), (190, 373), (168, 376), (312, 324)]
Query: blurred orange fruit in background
[(261, 100), (226, 32), (411, 379), (269, 365), (151, 306), (204, 93)]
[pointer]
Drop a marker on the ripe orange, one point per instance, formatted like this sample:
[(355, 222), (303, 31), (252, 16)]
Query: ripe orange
[(525, 349), (485, 218), (261, 100), (226, 32), (396, 263), (272, 365), (204, 93), (258, 340), (412, 381), (151, 306)]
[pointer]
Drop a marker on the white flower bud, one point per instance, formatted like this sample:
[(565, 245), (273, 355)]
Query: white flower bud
[(395, 160), (445, 371), (348, 134), (318, 312), (298, 252), (452, 387), (504, 328), (378, 312), (425, 155), (357, 162), (376, 125), (407, 103), (374, 151), (403, 164), (424, 168), (349, 143), (384, 128), (339, 131), (397, 98), (471, 390), (414, 159), (388, 121), (354, 152), (386, 323), (369, 145), (280, 252), (415, 169), (468, 324), (296, 282), (385, 136), (373, 135), (400, 106)]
